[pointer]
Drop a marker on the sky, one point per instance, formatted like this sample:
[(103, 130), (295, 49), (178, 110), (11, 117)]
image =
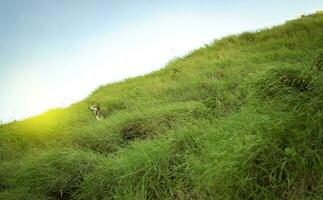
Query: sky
[(54, 53)]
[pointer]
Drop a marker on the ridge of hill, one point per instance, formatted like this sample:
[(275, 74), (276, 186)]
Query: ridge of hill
[(241, 118)]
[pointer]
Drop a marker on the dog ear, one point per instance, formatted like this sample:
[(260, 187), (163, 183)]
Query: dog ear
[(97, 105)]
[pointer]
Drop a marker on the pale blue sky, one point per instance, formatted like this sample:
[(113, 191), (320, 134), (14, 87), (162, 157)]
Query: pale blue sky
[(49, 49)]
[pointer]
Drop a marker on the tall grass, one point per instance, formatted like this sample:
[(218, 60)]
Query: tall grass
[(240, 118)]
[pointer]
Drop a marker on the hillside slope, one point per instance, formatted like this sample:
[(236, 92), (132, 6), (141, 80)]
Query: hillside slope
[(240, 118)]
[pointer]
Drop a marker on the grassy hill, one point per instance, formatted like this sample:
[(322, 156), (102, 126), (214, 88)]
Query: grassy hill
[(241, 118)]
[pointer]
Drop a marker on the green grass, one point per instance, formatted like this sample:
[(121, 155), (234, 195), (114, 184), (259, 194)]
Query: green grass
[(241, 118)]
